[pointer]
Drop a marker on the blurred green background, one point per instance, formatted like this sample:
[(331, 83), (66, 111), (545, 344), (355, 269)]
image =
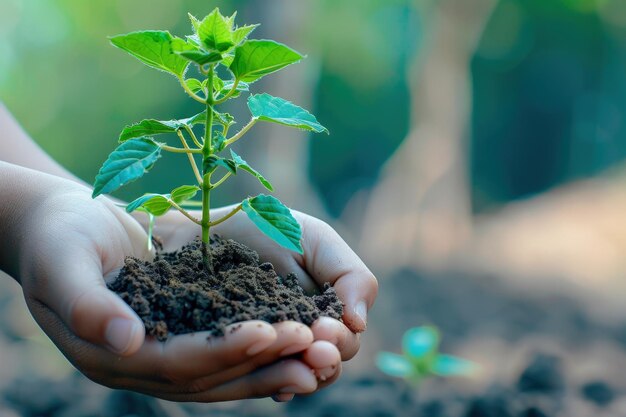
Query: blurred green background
[(548, 92)]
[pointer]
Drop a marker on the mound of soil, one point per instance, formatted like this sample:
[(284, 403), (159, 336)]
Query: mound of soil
[(176, 294)]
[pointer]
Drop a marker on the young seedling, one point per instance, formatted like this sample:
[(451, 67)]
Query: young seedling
[(227, 64), (421, 358)]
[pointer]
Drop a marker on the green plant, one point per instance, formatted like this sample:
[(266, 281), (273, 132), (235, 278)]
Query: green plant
[(421, 358), (227, 63)]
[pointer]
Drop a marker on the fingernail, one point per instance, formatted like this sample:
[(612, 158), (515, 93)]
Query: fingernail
[(361, 311), (294, 349), (325, 373), (258, 347), (293, 389), (282, 398), (120, 333)]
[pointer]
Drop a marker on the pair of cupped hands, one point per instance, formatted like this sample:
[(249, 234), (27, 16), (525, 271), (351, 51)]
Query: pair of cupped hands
[(76, 244)]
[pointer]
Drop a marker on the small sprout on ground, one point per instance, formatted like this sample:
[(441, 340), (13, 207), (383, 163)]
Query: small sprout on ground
[(228, 63), (421, 358)]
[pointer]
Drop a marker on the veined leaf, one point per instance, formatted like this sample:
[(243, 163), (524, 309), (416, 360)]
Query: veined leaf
[(155, 204), (394, 365), (214, 31), (420, 342), (257, 58), (275, 220), (157, 49), (150, 127), (278, 110), (200, 57), (240, 163), (240, 34), (194, 84), (184, 193), (128, 162), (213, 161)]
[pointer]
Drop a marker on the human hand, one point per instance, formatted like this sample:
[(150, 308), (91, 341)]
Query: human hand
[(327, 258), (73, 243)]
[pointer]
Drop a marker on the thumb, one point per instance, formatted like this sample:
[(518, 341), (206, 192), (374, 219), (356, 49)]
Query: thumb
[(76, 292)]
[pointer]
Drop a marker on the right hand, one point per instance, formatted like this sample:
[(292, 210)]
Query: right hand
[(73, 242)]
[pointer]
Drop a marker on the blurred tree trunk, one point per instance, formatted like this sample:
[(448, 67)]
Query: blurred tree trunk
[(420, 210), (281, 153)]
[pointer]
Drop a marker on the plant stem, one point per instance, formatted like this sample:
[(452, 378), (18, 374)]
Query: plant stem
[(184, 212), (191, 93), (242, 132), (230, 93), (180, 150), (192, 161), (207, 151), (224, 178), (193, 136), (226, 217)]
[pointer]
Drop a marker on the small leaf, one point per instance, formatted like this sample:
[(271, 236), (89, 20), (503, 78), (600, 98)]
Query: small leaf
[(394, 365), (218, 83), (244, 165), (448, 365), (155, 204), (278, 110), (419, 342), (215, 33), (151, 127), (184, 193), (219, 142), (224, 119), (200, 57), (227, 60), (257, 58), (157, 49), (195, 23), (240, 34), (275, 220), (213, 161), (128, 162), (194, 85)]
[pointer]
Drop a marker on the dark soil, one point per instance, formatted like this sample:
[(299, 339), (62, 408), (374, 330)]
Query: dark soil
[(176, 294)]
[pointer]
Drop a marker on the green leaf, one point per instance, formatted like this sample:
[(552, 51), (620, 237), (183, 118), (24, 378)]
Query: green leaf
[(394, 365), (275, 220), (157, 49), (420, 342), (218, 83), (448, 365), (213, 161), (200, 57), (224, 119), (219, 142), (194, 85), (257, 58), (155, 204), (150, 127), (227, 60), (240, 34), (215, 33), (195, 23), (240, 163), (184, 193), (278, 110), (128, 162)]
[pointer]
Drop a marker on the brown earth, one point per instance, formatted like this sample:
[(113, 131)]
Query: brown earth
[(176, 294)]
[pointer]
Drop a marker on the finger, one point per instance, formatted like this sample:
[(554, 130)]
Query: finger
[(74, 289), (286, 377), (329, 259), (195, 355), (335, 332), (292, 338), (323, 358)]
